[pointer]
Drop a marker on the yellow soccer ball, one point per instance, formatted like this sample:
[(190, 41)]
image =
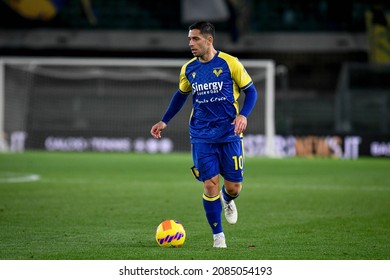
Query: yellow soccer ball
[(170, 233)]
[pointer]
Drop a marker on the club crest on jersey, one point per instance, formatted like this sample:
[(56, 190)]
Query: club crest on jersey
[(217, 71), (193, 75)]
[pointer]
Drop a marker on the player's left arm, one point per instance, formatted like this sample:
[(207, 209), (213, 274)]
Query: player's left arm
[(245, 83), (241, 121)]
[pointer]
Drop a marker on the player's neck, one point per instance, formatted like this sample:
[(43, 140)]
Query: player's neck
[(208, 56)]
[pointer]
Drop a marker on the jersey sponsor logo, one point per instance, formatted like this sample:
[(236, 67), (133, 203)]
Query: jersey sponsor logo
[(206, 88), (211, 100)]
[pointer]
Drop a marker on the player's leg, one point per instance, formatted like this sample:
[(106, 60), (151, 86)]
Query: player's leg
[(231, 190), (232, 162), (212, 204), (213, 208), (206, 162), (228, 204)]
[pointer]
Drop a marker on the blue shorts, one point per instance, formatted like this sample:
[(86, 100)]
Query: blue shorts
[(211, 159)]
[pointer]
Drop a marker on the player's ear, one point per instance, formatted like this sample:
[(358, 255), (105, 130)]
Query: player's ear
[(210, 39)]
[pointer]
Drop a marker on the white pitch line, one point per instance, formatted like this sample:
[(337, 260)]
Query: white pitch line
[(22, 178)]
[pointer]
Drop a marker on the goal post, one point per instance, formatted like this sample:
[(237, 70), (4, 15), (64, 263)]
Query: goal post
[(3, 141), (76, 103), (269, 115)]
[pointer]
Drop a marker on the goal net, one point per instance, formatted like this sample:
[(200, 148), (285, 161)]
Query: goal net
[(108, 104)]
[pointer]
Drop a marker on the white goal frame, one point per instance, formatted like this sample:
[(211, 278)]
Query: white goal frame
[(268, 65)]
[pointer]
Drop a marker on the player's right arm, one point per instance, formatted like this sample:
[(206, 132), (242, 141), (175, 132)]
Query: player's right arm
[(157, 128), (177, 102)]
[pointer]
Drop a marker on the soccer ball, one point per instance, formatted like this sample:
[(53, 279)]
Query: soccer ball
[(170, 233)]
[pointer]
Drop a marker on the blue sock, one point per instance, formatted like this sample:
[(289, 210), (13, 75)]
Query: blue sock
[(213, 209), (227, 197)]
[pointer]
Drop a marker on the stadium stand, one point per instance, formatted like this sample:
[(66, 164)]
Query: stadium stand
[(310, 39)]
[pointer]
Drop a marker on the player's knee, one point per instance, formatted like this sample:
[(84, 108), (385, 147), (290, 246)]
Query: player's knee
[(233, 188), (211, 187)]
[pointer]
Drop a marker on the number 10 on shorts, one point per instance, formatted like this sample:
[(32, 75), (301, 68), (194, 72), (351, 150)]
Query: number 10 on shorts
[(238, 162)]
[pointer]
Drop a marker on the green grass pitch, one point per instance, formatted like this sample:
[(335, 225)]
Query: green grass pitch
[(106, 206)]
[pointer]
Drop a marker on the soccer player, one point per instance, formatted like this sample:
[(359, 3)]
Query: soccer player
[(214, 79)]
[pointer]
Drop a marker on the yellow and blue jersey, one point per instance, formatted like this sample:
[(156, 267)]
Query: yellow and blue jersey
[(215, 88)]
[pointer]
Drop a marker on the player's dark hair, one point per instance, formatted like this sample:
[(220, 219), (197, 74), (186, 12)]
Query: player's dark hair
[(205, 27)]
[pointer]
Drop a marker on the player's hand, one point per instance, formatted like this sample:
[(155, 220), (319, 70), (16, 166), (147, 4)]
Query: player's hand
[(157, 128), (240, 123)]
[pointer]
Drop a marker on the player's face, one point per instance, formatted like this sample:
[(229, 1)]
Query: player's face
[(199, 44)]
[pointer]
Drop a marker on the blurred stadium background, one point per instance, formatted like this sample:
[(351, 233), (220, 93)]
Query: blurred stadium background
[(332, 73)]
